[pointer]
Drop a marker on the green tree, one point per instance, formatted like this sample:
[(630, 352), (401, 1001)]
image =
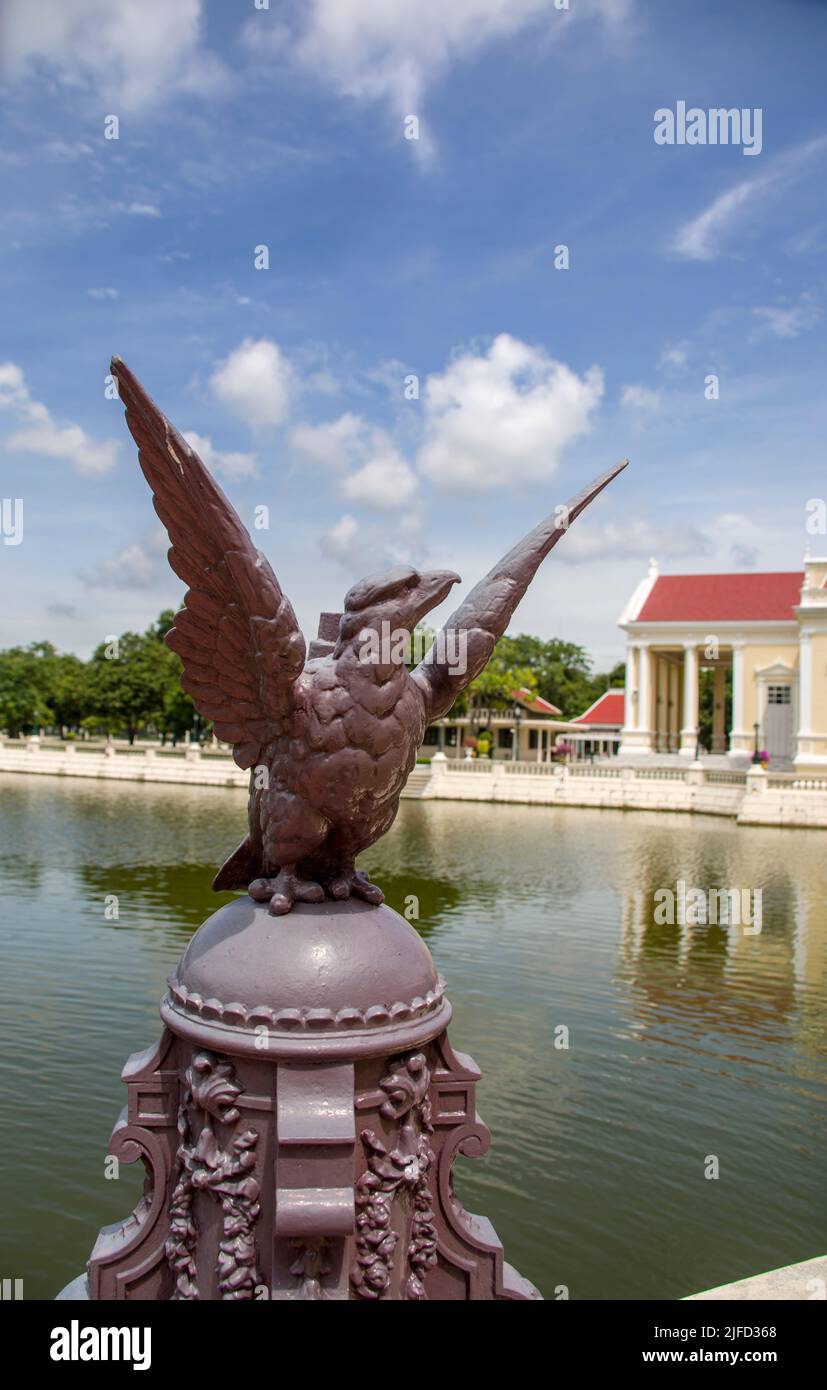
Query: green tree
[(127, 681), (24, 688), (559, 671), (176, 714), (67, 685)]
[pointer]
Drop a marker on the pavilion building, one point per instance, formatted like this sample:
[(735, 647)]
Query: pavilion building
[(769, 630), (523, 729), (596, 732)]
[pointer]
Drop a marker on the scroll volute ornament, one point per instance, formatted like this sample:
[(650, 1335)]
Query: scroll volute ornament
[(225, 1173), (393, 1195)]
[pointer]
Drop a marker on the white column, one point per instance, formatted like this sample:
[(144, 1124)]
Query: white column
[(636, 736), (805, 686), (629, 708), (644, 696), (718, 702), (739, 737), (674, 707), (689, 731), (803, 746)]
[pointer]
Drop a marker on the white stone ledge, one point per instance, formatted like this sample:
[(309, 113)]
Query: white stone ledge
[(125, 767), (805, 1282), (690, 793)]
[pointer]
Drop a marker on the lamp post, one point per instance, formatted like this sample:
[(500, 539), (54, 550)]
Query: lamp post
[(756, 757), (515, 734)]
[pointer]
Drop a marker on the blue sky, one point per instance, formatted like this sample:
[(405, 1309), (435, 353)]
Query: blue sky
[(391, 257)]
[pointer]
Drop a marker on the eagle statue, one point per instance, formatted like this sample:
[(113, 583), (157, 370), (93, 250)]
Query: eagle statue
[(330, 735)]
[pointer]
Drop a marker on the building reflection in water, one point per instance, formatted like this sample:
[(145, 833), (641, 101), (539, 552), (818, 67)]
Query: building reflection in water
[(721, 979)]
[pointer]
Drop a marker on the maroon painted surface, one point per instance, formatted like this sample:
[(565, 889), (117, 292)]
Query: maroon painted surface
[(298, 1122)]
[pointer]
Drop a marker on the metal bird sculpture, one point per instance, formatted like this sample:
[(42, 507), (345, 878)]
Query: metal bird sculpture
[(331, 739)]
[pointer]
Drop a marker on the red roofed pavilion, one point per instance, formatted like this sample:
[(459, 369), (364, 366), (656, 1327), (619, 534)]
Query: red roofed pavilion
[(763, 638)]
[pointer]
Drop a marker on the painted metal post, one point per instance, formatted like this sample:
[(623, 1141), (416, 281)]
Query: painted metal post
[(298, 1122)]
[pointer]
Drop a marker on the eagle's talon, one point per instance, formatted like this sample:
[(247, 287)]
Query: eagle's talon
[(261, 889), (309, 892), (361, 885), (280, 904), (354, 882), (284, 890)]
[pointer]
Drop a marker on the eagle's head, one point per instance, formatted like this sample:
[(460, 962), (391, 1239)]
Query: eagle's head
[(400, 597)]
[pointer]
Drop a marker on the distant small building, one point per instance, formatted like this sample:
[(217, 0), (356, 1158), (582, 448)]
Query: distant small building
[(525, 729), (768, 629), (596, 732)]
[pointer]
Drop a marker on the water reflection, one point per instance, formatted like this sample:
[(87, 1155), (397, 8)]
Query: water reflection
[(765, 985), (683, 1041)]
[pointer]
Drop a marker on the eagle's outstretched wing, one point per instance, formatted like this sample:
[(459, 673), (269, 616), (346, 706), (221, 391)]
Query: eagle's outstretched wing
[(237, 635), (486, 613)]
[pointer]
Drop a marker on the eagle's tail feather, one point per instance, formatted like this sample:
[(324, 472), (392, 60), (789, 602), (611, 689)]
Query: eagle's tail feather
[(240, 869)]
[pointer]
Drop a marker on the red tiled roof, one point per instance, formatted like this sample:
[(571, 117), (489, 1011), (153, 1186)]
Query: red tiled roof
[(534, 702), (607, 710), (723, 598)]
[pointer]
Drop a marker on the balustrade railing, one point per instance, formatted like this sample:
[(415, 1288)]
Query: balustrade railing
[(660, 774)]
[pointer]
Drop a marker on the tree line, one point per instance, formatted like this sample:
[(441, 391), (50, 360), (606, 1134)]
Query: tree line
[(130, 685)]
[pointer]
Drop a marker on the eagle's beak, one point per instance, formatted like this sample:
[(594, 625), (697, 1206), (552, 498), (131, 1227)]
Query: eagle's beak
[(433, 587)]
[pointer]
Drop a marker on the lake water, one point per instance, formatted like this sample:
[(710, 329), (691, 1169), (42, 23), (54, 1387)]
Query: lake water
[(684, 1042)]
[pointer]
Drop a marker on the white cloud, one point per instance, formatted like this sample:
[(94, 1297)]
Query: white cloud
[(503, 417), (256, 382), (41, 435), (743, 542), (330, 445), (340, 540), (89, 457), (13, 390), (228, 465), (639, 398), (386, 484), (590, 540), (372, 50), (137, 566), (67, 150), (142, 210), (787, 321), (133, 55), (674, 357), (704, 236), (712, 542), (365, 548), (744, 556), (103, 293), (378, 475)]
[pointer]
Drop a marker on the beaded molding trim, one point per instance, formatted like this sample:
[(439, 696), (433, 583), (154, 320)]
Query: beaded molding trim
[(303, 1020)]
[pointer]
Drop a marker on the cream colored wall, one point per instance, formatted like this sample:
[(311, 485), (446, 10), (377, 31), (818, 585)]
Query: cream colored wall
[(756, 657), (818, 659)]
